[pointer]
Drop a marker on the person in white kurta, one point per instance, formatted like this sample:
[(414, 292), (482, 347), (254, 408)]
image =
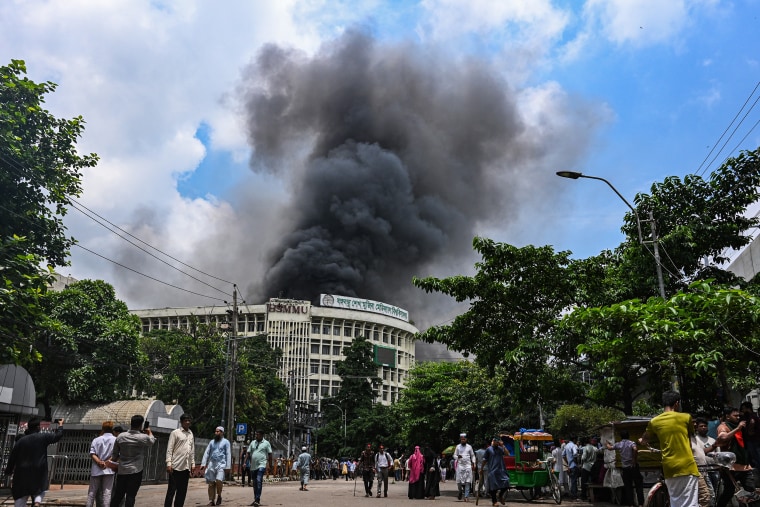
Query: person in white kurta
[(559, 466), (216, 459), (465, 461)]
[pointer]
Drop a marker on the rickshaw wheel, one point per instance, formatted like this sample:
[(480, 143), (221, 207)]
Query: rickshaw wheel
[(556, 491), (528, 494)]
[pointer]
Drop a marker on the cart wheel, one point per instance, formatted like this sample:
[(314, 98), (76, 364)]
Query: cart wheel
[(554, 485), (528, 494)]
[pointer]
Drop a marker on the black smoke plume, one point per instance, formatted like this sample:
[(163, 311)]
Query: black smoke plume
[(393, 156)]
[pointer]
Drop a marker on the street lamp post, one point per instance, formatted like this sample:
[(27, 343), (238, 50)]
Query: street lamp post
[(573, 175), (343, 416)]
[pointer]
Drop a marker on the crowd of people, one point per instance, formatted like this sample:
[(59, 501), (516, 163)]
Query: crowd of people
[(686, 446)]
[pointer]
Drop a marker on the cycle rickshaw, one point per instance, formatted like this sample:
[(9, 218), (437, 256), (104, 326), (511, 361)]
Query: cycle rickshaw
[(531, 468)]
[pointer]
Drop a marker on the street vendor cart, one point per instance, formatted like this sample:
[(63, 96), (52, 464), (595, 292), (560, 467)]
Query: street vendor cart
[(531, 468)]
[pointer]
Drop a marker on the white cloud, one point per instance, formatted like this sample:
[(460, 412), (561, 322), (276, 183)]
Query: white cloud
[(642, 23), (145, 75), (525, 32)]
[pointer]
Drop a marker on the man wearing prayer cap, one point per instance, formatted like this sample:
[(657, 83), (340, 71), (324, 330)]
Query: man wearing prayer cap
[(465, 458), (180, 460), (304, 464), (216, 459)]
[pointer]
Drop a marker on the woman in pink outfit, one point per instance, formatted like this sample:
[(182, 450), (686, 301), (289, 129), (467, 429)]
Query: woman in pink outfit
[(416, 466)]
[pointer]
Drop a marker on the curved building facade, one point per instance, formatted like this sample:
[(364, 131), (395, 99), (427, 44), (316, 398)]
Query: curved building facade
[(312, 338)]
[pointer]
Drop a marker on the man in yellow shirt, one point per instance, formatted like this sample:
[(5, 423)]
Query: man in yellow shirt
[(672, 429)]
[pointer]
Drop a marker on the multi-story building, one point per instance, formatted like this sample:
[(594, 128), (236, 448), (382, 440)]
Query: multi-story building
[(312, 338)]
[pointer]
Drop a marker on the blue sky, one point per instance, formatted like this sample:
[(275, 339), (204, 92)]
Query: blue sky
[(629, 90)]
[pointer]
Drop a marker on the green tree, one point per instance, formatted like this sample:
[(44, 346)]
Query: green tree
[(189, 367), (90, 352), (696, 219), (358, 375), (706, 336), (40, 171), (23, 284), (459, 397), (579, 421), (516, 298)]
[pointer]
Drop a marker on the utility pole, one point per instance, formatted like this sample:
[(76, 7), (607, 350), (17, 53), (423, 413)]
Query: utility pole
[(233, 363), (291, 410)]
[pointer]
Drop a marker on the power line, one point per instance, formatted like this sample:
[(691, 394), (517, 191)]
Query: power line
[(147, 276), (18, 167), (76, 207), (75, 203), (725, 131)]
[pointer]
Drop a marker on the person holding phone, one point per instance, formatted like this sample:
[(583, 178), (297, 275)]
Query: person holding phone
[(29, 465), (129, 454)]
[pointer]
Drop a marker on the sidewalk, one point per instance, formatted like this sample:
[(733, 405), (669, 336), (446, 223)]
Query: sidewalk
[(328, 493)]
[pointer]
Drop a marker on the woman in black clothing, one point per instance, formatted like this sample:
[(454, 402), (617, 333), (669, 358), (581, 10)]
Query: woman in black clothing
[(432, 474)]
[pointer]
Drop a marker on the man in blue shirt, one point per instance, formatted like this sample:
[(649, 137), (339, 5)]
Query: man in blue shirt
[(571, 451)]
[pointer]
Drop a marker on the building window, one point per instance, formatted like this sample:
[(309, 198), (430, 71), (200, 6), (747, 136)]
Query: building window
[(325, 329), (314, 367), (347, 331), (315, 328), (241, 327), (145, 326), (260, 326), (336, 350), (375, 334), (326, 367), (315, 348), (336, 330), (251, 326), (385, 336), (326, 349)]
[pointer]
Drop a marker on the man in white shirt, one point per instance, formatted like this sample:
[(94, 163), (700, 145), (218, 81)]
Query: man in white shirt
[(180, 459), (465, 460), (383, 462), (101, 477)]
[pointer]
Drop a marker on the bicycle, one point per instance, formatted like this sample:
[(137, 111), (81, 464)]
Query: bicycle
[(658, 495)]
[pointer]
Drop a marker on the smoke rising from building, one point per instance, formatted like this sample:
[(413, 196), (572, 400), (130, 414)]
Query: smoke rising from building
[(393, 156)]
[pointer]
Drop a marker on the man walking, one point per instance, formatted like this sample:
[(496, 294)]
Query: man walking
[(629, 459), (261, 456), (465, 460), (304, 463), (367, 464), (216, 460), (383, 462), (180, 460), (101, 477), (493, 465), (129, 452), (28, 463), (672, 429)]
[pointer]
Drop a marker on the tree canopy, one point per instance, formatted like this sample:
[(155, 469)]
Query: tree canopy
[(40, 172), (90, 352), (550, 324), (189, 367)]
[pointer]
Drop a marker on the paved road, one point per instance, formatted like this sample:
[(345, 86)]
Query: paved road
[(321, 493)]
